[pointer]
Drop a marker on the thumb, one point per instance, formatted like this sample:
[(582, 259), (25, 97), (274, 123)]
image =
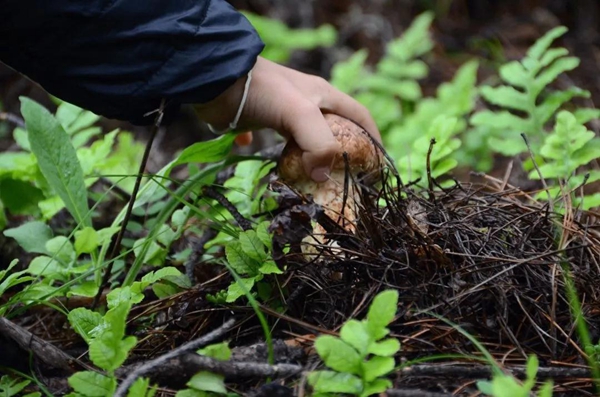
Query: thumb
[(313, 135)]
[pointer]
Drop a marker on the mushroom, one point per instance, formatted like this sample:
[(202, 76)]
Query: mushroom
[(364, 162)]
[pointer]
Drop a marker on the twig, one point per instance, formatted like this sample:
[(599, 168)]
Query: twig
[(212, 193), (240, 368), (550, 201), (479, 371), (12, 118), (45, 351), (429, 177), (159, 361), (136, 188)]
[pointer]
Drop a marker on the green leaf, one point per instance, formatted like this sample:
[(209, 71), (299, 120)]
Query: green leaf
[(20, 197), (109, 352), (57, 159), (542, 44), (205, 152), (61, 248), (93, 384), (376, 387), (262, 232), (381, 313), (31, 236), (235, 291), (334, 382), (269, 267), (337, 354), (218, 351), (86, 241), (208, 381), (550, 74), (84, 321), (45, 266), (141, 388), (356, 334), (377, 367), (239, 260), (252, 245), (385, 348), (507, 97)]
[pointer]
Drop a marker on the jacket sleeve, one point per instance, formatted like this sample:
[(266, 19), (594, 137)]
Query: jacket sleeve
[(119, 58)]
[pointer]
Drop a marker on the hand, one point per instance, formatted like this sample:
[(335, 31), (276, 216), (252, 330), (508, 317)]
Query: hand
[(291, 103)]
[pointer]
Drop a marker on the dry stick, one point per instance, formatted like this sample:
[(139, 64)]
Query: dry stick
[(45, 351), (550, 201), (429, 177), (485, 372), (136, 188), (12, 118), (240, 368), (148, 366)]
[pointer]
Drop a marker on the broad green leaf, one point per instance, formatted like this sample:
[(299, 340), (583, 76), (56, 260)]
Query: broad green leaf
[(337, 354), (31, 236), (20, 197), (334, 382), (235, 291), (45, 266), (87, 288), (377, 367), (356, 334), (205, 152), (124, 295), (93, 384), (218, 351), (385, 348), (61, 248), (239, 260), (109, 352), (262, 232), (376, 387), (269, 267), (84, 321), (515, 74), (252, 246), (86, 241), (382, 312), (164, 290), (507, 97), (57, 159), (208, 381), (141, 388)]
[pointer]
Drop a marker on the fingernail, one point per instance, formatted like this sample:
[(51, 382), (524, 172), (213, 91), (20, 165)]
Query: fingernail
[(319, 174)]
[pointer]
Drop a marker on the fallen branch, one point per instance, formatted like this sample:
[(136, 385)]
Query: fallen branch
[(463, 371), (159, 361), (42, 350)]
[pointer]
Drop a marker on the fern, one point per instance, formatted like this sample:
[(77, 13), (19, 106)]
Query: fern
[(569, 147), (525, 83), (393, 82)]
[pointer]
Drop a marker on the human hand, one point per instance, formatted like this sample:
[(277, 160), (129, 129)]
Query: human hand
[(292, 103)]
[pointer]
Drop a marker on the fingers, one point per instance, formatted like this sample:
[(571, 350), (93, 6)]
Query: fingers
[(343, 105), (312, 134)]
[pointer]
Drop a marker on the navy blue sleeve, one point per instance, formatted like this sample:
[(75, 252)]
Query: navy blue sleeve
[(120, 58)]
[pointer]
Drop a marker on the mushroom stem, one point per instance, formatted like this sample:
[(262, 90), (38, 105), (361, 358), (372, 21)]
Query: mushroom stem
[(363, 157)]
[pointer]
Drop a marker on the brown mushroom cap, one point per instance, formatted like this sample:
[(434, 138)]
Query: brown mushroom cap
[(363, 154)]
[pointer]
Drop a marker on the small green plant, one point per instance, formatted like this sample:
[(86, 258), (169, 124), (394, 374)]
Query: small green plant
[(13, 387), (109, 346), (280, 40), (503, 385), (54, 167), (360, 358), (570, 146), (208, 384), (525, 105), (250, 257)]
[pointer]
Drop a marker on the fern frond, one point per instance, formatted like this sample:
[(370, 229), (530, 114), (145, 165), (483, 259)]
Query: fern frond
[(523, 108)]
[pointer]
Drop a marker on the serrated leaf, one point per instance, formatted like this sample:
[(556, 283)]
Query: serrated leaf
[(337, 354), (57, 159), (334, 382), (377, 367), (252, 246), (385, 348), (235, 291), (269, 267), (141, 388), (109, 352), (84, 321), (550, 74), (239, 260), (93, 384), (262, 232), (218, 351), (356, 334), (543, 43), (515, 74), (205, 152), (376, 387), (500, 120), (31, 236)]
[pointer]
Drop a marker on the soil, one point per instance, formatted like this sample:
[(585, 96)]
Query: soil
[(482, 255)]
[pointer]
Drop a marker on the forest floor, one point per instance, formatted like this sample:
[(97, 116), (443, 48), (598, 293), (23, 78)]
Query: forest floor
[(482, 255)]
